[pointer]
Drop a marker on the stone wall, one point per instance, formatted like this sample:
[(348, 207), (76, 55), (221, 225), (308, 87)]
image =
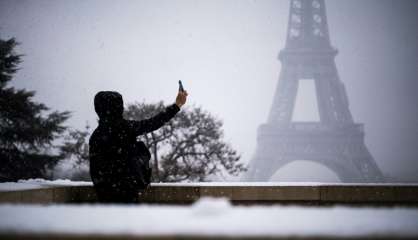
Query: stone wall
[(239, 194)]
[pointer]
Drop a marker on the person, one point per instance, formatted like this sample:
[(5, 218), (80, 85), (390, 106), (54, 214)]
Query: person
[(119, 165)]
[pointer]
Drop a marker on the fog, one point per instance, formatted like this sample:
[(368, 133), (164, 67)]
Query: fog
[(225, 52)]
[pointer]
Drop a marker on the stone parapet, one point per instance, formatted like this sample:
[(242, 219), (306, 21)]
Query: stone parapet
[(240, 193)]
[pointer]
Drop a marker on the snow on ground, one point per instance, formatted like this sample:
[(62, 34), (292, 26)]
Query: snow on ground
[(209, 216), (42, 183)]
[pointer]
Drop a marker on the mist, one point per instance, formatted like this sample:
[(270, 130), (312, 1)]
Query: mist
[(225, 52)]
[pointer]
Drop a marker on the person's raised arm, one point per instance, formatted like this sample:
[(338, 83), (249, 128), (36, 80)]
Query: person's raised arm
[(157, 121)]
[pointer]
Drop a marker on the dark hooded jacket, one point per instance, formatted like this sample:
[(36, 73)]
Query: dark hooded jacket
[(118, 162)]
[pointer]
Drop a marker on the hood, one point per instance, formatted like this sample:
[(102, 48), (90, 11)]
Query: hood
[(108, 105)]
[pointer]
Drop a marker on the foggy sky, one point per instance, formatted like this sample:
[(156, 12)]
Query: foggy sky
[(225, 51)]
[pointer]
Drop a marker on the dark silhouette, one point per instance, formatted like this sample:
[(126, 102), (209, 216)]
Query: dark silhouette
[(118, 162)]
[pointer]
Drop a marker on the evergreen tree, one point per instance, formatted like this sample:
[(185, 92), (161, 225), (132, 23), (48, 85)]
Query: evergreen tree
[(27, 128)]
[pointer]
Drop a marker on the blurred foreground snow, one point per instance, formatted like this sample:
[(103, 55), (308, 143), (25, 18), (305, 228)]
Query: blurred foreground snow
[(209, 216)]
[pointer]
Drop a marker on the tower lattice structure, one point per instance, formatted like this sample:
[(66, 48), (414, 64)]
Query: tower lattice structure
[(335, 141)]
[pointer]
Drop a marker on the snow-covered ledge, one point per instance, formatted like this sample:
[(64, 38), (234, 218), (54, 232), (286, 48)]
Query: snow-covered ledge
[(65, 191)]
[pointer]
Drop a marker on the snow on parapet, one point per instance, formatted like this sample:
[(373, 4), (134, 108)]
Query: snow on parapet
[(39, 183), (275, 184), (42, 183)]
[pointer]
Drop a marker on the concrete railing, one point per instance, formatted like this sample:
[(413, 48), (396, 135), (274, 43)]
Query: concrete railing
[(237, 193)]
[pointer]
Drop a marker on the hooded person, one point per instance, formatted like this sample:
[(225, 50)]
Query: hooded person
[(119, 163)]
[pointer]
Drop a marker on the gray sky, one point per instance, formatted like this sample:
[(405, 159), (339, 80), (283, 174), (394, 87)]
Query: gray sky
[(225, 51)]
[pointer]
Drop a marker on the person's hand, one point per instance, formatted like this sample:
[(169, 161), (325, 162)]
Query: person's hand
[(181, 98)]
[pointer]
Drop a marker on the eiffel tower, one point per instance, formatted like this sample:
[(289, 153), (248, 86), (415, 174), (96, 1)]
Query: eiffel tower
[(334, 141)]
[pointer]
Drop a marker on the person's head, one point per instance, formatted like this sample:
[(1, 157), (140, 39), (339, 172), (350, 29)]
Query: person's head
[(108, 105)]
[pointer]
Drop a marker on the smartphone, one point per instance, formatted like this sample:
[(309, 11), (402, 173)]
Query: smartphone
[(181, 86)]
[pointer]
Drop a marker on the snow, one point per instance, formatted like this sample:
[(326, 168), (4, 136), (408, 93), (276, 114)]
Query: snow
[(42, 183), (275, 184), (209, 216), (39, 183)]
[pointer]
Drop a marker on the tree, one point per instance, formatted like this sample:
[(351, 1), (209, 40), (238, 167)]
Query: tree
[(74, 152), (27, 128), (75, 145), (189, 147)]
